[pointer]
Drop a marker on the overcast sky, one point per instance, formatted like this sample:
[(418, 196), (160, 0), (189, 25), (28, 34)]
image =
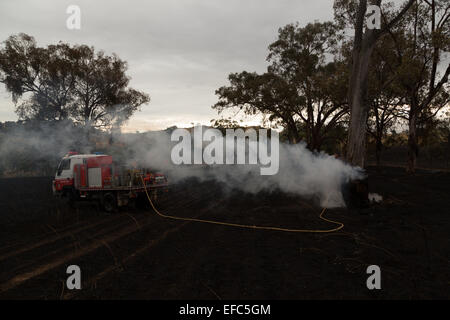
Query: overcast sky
[(179, 52)]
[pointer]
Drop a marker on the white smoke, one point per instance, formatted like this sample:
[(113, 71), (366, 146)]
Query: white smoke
[(36, 149), (317, 176), (312, 175)]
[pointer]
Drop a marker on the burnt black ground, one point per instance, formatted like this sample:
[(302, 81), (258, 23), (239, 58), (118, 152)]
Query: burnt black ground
[(136, 254)]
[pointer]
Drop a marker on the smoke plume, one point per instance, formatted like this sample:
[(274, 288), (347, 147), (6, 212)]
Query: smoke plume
[(37, 150), (316, 176)]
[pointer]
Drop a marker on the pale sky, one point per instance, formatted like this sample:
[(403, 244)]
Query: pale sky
[(179, 52)]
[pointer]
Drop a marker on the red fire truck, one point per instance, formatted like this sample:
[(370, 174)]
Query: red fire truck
[(97, 177)]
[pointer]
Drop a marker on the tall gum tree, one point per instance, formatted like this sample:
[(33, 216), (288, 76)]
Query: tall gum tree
[(354, 12), (421, 43)]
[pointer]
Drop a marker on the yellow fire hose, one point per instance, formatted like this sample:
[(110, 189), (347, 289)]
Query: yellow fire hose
[(236, 225)]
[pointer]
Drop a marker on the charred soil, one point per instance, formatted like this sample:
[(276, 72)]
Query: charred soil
[(137, 254)]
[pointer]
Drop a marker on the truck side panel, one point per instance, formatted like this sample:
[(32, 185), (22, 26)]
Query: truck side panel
[(106, 176), (95, 177)]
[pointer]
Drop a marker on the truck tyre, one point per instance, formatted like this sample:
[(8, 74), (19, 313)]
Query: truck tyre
[(109, 202), (70, 197), (142, 201)]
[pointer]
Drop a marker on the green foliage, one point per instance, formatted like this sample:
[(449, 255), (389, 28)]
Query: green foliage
[(61, 81), (225, 123), (300, 89)]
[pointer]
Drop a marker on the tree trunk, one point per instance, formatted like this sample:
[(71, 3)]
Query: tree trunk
[(316, 140), (378, 150), (359, 105), (293, 134), (448, 151), (363, 45), (413, 146)]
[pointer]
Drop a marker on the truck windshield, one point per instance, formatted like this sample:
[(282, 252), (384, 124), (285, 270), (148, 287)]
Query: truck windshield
[(63, 165)]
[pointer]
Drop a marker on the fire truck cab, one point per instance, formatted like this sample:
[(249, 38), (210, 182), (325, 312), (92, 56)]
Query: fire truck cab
[(64, 177)]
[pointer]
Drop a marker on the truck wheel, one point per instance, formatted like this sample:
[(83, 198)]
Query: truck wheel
[(69, 196), (109, 202), (142, 202)]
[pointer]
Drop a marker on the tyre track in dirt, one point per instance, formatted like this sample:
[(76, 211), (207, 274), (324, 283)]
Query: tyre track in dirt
[(71, 242), (105, 239), (67, 231), (55, 234), (72, 238), (59, 235), (135, 254)]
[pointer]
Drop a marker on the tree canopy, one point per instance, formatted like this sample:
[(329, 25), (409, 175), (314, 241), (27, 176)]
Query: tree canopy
[(300, 85), (63, 81)]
